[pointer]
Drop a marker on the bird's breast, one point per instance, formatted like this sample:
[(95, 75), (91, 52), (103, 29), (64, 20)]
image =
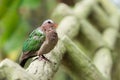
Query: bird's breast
[(52, 37)]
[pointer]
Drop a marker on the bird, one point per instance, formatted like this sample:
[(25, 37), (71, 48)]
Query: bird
[(41, 41)]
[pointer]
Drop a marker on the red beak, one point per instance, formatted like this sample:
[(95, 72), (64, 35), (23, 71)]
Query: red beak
[(55, 25)]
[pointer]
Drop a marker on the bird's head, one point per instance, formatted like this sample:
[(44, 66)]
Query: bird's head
[(48, 25)]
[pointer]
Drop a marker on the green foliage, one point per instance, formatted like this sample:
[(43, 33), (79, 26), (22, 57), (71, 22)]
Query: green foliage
[(12, 45)]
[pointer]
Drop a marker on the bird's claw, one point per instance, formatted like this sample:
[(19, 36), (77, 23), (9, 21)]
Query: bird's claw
[(43, 57), (35, 58)]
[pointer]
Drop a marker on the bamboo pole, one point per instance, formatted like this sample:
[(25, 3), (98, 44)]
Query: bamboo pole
[(104, 55), (10, 70), (110, 36), (58, 13), (109, 7), (103, 61), (100, 18), (99, 45), (83, 8), (116, 65), (79, 63), (90, 36)]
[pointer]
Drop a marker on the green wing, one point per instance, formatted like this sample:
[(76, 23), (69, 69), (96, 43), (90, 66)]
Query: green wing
[(34, 42)]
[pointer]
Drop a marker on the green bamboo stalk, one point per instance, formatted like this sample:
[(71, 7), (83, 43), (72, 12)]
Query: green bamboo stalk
[(100, 18), (61, 74), (110, 37), (104, 55), (114, 20), (69, 26), (58, 13), (79, 44), (90, 37), (79, 63), (116, 65), (109, 7), (116, 59), (103, 61), (83, 8)]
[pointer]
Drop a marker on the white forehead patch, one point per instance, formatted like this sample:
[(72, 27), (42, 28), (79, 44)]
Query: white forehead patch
[(47, 21)]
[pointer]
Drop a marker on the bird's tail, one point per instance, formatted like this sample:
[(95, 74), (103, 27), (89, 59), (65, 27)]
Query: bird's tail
[(25, 57)]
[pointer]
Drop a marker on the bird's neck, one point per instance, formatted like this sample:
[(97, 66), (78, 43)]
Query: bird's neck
[(42, 28)]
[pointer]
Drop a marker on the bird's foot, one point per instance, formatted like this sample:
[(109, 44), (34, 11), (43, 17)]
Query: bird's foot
[(43, 57), (35, 58)]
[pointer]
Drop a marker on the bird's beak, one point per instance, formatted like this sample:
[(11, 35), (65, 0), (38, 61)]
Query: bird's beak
[(55, 25)]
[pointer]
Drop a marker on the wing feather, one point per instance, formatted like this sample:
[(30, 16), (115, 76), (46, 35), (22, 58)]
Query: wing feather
[(34, 42)]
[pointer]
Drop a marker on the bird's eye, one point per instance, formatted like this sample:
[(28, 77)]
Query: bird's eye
[(49, 22)]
